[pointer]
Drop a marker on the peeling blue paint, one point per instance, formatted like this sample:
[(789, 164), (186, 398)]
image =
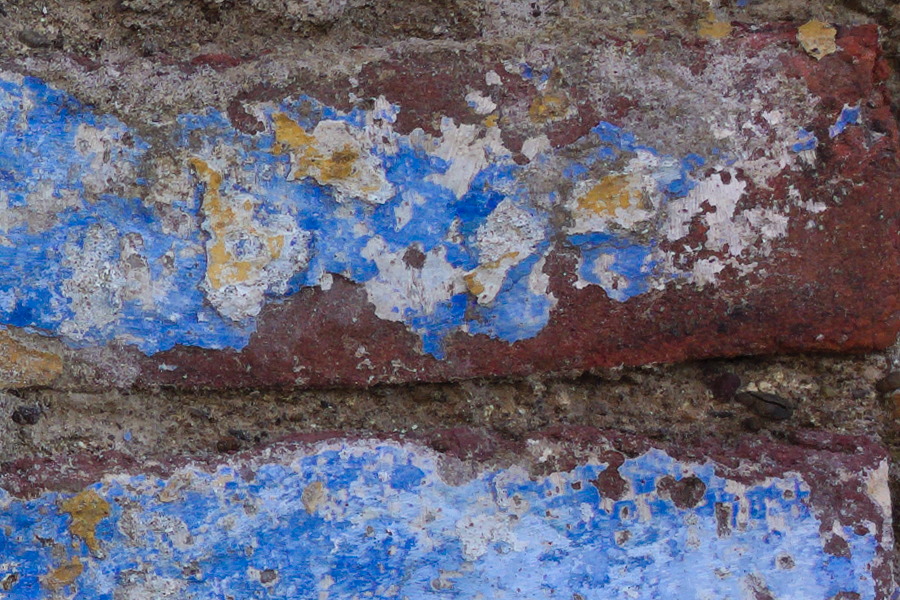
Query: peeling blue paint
[(54, 261), (387, 524)]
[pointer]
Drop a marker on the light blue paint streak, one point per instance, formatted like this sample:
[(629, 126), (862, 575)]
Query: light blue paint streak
[(41, 147), (390, 526)]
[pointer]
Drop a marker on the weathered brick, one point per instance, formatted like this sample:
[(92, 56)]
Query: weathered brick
[(466, 211), (564, 513)]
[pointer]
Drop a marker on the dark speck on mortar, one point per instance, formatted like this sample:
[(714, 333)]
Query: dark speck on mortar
[(34, 39), (228, 443), (889, 383), (26, 415), (767, 406), (724, 386)]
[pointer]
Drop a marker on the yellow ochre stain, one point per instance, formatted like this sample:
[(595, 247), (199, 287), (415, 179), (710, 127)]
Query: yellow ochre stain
[(712, 28), (313, 495), (219, 217), (610, 194), (222, 268), (817, 38), (289, 133), (474, 286), (21, 366), (275, 244), (491, 121), (338, 166), (549, 107), (64, 575), (308, 160), (87, 509)]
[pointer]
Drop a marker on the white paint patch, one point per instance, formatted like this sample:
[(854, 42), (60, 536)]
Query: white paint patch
[(507, 237), (535, 146), (399, 288), (492, 78), (814, 207), (539, 282), (738, 236), (468, 149), (481, 104), (721, 199), (706, 270), (403, 212)]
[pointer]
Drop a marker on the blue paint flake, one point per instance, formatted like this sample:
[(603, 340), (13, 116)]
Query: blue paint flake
[(386, 524), (807, 141), (849, 116)]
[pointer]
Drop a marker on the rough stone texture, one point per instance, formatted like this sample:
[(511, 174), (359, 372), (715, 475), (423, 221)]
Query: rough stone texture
[(570, 512), (434, 212), (135, 66)]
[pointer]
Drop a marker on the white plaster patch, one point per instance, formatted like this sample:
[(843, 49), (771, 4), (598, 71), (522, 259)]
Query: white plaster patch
[(136, 585), (138, 281), (110, 172), (264, 258), (614, 284), (737, 119), (95, 287), (509, 229), (877, 489), (478, 532), (171, 182), (42, 205), (539, 282)]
